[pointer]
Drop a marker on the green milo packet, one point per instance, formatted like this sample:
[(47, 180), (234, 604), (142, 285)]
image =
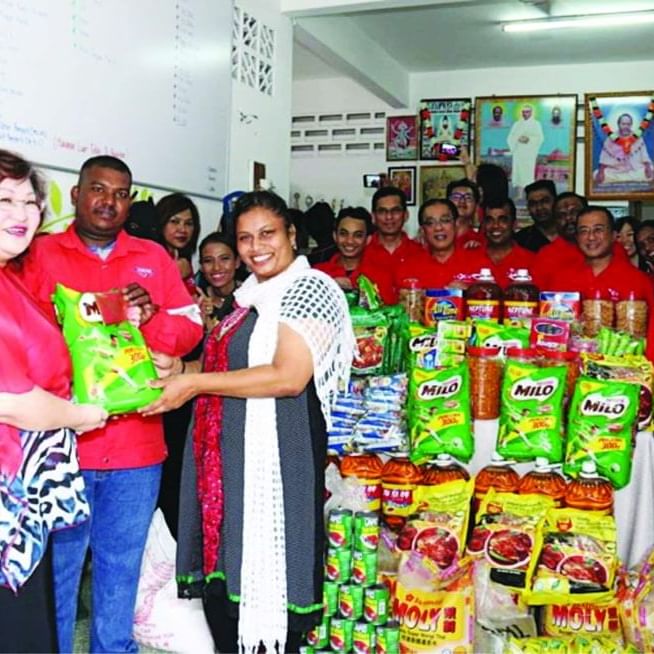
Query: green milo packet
[(602, 418), (531, 416), (368, 294), (439, 414), (112, 367)]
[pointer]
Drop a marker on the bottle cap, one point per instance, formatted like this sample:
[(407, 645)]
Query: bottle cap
[(588, 469), (485, 275), (443, 460), (521, 275)]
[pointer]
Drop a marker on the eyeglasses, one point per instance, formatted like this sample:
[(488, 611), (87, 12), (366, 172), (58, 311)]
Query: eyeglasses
[(462, 197), (434, 222), (29, 206), (396, 212), (596, 230)]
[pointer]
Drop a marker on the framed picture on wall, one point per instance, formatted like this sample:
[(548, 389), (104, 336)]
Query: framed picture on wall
[(444, 128), (401, 138), (434, 180), (404, 177), (619, 139), (530, 137)]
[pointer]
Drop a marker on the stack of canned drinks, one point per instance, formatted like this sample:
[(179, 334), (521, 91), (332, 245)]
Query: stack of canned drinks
[(356, 607)]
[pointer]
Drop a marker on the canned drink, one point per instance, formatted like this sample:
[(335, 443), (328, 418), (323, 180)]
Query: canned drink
[(339, 530), (339, 565), (364, 568), (341, 632), (318, 637), (366, 531), (330, 597), (363, 638), (350, 601), (375, 604), (388, 638)]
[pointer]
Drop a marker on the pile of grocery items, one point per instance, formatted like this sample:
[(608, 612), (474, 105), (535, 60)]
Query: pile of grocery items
[(500, 562)]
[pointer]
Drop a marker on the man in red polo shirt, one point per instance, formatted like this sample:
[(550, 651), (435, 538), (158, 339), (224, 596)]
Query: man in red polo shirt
[(352, 230), (121, 463), (505, 255), (390, 248), (465, 195), (562, 252), (603, 270), (443, 264)]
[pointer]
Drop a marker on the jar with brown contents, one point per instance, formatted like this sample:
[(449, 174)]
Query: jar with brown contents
[(597, 312), (411, 297), (485, 380), (631, 315)]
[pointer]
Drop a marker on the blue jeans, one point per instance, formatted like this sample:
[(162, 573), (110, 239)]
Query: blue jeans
[(122, 503)]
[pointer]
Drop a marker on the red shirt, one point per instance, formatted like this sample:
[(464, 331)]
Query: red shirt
[(376, 256), (129, 441), (616, 282), (518, 257), (380, 276), (470, 236), (431, 273), (33, 354)]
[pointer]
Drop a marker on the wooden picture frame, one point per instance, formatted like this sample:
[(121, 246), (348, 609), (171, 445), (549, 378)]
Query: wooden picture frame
[(619, 145), (401, 138), (531, 137), (444, 128), (434, 180), (404, 178)]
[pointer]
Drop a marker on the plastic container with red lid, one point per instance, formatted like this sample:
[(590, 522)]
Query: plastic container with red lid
[(631, 313), (411, 296), (486, 367)]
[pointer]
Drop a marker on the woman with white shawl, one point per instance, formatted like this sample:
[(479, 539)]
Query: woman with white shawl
[(251, 529)]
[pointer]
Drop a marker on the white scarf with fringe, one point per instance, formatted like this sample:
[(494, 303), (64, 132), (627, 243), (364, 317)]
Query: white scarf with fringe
[(313, 305)]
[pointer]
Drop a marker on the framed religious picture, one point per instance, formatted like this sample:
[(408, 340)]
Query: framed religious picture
[(434, 180), (404, 177), (444, 128), (530, 137), (401, 138), (619, 139)]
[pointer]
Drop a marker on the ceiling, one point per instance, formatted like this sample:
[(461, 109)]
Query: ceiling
[(467, 35)]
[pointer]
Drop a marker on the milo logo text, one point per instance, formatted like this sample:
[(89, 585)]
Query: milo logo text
[(596, 404), (432, 389), (530, 389), (89, 309), (426, 342)]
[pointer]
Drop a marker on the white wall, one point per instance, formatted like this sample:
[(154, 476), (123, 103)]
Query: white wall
[(265, 139), (340, 175)]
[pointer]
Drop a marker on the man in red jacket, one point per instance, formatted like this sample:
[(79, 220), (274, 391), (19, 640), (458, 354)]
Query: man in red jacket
[(352, 230), (121, 463), (603, 270)]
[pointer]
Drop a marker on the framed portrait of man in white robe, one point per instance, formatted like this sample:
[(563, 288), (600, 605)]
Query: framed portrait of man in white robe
[(619, 140), (530, 137)]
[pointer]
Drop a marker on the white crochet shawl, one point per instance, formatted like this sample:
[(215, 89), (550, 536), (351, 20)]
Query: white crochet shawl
[(314, 306)]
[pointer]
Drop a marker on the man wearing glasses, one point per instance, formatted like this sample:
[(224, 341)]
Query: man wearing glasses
[(540, 204), (390, 247), (465, 196), (602, 270)]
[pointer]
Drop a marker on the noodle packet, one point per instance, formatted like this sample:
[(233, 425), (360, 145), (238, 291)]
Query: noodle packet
[(439, 414), (531, 417), (112, 366), (578, 558), (489, 333), (371, 334), (600, 428), (507, 533)]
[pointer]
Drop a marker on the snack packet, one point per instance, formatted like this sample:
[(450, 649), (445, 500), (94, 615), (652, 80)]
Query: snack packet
[(371, 334), (578, 558), (507, 533), (368, 294), (488, 333), (568, 645), (531, 415), (600, 426), (439, 414), (111, 363)]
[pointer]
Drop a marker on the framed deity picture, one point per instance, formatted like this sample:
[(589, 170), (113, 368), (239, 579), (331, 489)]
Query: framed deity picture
[(404, 177), (444, 128), (434, 180), (401, 138), (530, 137), (619, 139)]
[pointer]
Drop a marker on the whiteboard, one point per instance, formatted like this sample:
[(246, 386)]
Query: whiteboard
[(147, 81)]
